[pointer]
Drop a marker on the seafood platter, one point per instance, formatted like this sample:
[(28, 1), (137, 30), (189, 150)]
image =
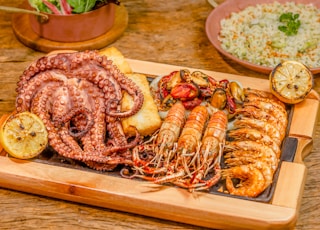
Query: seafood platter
[(194, 146)]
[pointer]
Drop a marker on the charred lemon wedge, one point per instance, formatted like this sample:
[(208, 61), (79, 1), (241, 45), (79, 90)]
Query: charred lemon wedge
[(23, 135), (291, 81)]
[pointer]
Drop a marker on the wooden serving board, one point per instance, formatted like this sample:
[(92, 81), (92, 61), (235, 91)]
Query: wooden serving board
[(23, 31), (176, 204)]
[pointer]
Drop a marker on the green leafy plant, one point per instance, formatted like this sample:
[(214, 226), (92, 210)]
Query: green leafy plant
[(290, 22), (64, 7)]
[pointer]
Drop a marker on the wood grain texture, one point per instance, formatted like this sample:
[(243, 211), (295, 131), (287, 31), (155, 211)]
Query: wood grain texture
[(159, 31), (147, 199)]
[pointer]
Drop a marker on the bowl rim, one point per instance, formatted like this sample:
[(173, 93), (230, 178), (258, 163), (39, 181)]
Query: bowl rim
[(212, 27)]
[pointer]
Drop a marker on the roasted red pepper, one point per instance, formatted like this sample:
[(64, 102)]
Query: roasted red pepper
[(231, 104), (189, 105), (167, 83), (224, 83), (185, 91), (212, 81), (163, 90), (168, 77)]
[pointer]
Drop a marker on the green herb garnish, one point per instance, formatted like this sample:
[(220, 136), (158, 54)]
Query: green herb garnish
[(68, 6), (291, 23)]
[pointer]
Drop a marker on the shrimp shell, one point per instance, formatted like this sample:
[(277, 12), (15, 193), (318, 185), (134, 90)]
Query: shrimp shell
[(263, 152), (171, 127), (263, 126), (259, 93), (191, 133), (254, 95), (162, 143), (242, 157), (266, 171), (211, 147), (214, 134), (253, 112), (252, 181), (254, 135), (269, 106)]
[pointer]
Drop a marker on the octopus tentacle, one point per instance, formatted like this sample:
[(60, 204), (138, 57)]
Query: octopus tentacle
[(78, 95), (76, 131), (60, 104), (30, 88)]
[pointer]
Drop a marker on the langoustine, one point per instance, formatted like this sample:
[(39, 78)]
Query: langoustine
[(158, 151), (187, 146), (194, 161), (209, 156)]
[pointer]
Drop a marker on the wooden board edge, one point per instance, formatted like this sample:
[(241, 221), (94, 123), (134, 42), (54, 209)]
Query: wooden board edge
[(291, 178), (304, 148), (304, 118), (142, 198), (157, 69)]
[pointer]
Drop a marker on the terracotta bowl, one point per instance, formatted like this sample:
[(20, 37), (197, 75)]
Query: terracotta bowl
[(224, 10), (75, 27)]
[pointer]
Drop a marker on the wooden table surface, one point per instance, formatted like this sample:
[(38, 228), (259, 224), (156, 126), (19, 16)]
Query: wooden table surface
[(171, 32)]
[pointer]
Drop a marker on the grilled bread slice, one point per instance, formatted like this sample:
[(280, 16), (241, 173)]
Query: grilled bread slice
[(147, 120), (118, 59)]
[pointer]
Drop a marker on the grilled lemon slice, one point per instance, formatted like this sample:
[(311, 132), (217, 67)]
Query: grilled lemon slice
[(291, 81), (23, 135)]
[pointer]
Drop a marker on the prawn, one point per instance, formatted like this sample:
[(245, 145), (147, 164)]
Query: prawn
[(254, 135), (250, 157), (265, 97), (214, 135), (253, 112), (269, 106), (256, 92), (266, 171), (252, 181), (252, 149), (263, 126)]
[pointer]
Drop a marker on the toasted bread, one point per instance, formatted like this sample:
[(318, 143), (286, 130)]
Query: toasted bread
[(147, 120), (118, 59)]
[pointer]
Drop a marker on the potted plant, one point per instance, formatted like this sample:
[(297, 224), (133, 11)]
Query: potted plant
[(72, 20)]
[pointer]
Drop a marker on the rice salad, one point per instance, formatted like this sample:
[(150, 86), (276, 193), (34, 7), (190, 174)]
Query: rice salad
[(252, 35)]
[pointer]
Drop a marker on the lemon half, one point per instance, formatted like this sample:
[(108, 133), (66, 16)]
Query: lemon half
[(291, 81), (23, 135)]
